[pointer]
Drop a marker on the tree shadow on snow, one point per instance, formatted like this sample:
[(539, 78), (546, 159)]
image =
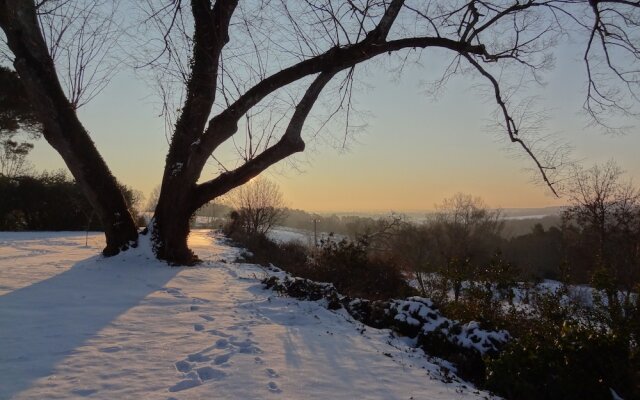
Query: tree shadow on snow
[(45, 322)]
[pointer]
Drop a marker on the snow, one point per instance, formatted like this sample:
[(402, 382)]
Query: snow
[(284, 234), (522, 291), (470, 336), (74, 324), (177, 167)]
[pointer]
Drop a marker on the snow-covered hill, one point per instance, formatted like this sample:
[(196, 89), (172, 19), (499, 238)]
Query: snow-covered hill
[(76, 325)]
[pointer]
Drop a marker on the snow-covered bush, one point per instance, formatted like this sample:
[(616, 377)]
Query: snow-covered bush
[(304, 289), (463, 343)]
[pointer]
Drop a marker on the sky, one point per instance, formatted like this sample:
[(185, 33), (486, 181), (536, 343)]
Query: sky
[(414, 152)]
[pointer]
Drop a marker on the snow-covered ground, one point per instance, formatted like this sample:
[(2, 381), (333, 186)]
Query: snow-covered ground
[(582, 295), (74, 324), (284, 234)]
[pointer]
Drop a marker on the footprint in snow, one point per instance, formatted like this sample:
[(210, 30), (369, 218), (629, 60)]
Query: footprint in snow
[(271, 373), (199, 300), (273, 387), (185, 384), (206, 317), (247, 347), (198, 327), (84, 392), (183, 366), (192, 379), (209, 373), (218, 333), (222, 358), (175, 292), (198, 357), (111, 349), (251, 350)]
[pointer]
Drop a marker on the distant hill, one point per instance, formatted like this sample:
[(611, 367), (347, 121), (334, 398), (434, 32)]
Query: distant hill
[(517, 213)]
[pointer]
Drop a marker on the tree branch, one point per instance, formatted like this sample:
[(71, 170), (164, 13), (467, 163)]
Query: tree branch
[(510, 125), (290, 143), (224, 125)]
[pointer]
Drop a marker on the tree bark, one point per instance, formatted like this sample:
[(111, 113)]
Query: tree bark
[(176, 204), (170, 229), (62, 129)]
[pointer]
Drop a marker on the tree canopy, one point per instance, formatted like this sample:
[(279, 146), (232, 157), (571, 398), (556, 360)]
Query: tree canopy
[(264, 75), (16, 116)]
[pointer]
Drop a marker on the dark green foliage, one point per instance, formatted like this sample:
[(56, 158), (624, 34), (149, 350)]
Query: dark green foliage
[(574, 363), (344, 264), (50, 201), (562, 348), (291, 257), (16, 112), (348, 266), (483, 298), (47, 202), (537, 253)]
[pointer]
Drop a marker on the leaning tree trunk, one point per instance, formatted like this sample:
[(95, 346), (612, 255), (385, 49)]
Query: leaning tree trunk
[(170, 229), (62, 129)]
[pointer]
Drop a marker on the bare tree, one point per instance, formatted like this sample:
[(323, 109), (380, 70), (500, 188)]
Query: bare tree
[(465, 231), (33, 58), (412, 248), (272, 60), (607, 209), (152, 201), (16, 118), (466, 219), (81, 36), (259, 204), (13, 158)]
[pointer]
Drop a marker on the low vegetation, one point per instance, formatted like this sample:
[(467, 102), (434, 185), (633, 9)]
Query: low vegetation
[(53, 202), (574, 338)]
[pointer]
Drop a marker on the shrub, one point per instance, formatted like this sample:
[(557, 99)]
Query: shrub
[(354, 273), (557, 348), (49, 201), (291, 256), (577, 363), (345, 264)]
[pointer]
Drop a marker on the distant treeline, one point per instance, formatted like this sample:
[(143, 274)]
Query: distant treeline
[(534, 244), (50, 201), (351, 225), (539, 248)]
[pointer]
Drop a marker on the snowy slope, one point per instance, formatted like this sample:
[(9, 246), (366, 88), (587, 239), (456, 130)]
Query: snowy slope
[(283, 234), (76, 325)]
